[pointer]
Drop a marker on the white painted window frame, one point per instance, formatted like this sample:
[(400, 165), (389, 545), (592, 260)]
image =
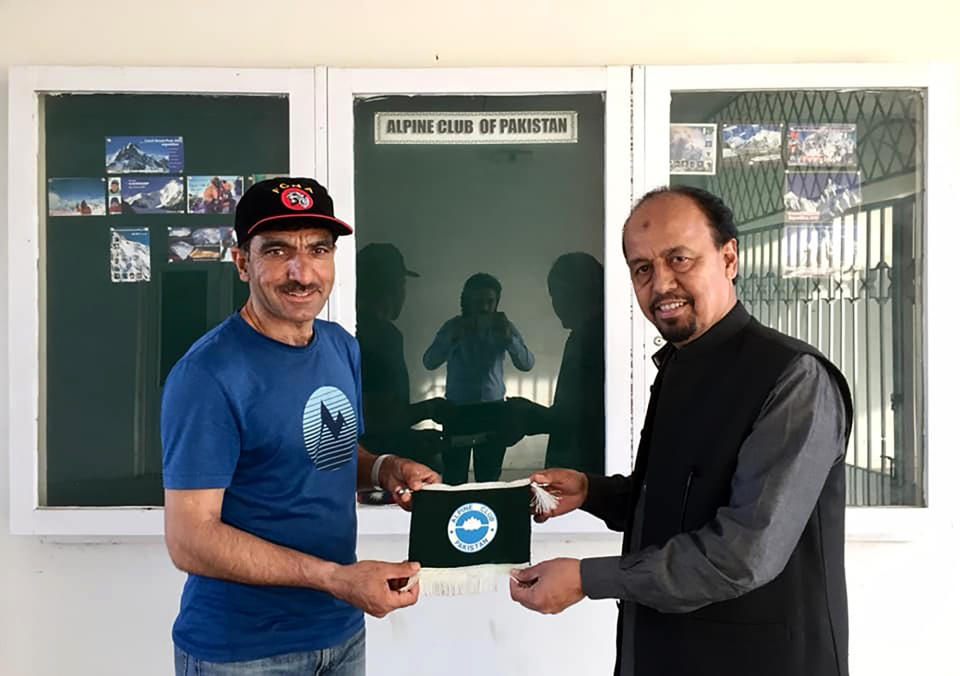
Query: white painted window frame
[(26, 85), (344, 85), (629, 336), (942, 366)]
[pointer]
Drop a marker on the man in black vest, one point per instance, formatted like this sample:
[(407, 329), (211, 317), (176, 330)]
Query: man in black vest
[(732, 558)]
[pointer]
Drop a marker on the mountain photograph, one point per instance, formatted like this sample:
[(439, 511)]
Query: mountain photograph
[(76, 197), (129, 255), (825, 145), (820, 197), (154, 195), (144, 155), (752, 143)]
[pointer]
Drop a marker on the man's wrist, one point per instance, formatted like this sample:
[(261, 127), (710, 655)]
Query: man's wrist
[(602, 578), (325, 576), (375, 469)]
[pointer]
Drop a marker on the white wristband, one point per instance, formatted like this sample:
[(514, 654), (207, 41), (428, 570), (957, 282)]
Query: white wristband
[(375, 470)]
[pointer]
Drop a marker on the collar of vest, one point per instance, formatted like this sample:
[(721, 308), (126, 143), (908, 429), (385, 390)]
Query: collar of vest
[(731, 324)]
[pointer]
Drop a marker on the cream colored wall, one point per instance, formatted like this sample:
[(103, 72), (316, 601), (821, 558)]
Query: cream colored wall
[(106, 609), (491, 32)]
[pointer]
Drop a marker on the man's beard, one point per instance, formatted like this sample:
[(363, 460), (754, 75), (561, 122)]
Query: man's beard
[(677, 330)]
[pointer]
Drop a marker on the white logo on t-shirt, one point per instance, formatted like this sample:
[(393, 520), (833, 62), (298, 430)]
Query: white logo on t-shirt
[(329, 428)]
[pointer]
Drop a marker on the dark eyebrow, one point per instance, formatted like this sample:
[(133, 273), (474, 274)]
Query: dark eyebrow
[(283, 244), (271, 243), (672, 251)]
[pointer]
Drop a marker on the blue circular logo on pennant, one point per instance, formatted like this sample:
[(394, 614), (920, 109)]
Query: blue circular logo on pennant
[(472, 527), (329, 428)]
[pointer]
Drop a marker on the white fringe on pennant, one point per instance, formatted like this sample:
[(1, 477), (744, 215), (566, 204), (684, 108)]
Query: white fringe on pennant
[(465, 580)]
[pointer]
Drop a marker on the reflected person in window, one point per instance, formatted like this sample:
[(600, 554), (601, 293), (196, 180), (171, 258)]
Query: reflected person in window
[(382, 278), (473, 345), (261, 465), (733, 551), (574, 421)]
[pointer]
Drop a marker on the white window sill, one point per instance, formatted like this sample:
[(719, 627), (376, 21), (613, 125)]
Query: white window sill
[(863, 524)]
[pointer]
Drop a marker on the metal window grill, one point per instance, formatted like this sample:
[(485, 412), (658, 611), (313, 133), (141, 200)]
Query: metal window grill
[(851, 288), (888, 139)]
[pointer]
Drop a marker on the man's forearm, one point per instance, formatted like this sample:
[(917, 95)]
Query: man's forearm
[(520, 355), (215, 549), (439, 350)]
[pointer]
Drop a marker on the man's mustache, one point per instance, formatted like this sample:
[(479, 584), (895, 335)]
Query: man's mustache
[(294, 287)]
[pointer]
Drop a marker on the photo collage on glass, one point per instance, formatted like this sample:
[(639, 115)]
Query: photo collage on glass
[(821, 179), (144, 175)]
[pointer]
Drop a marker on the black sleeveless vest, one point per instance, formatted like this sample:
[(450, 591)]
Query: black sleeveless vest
[(796, 625)]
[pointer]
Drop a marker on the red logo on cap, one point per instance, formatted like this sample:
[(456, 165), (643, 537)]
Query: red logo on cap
[(296, 199)]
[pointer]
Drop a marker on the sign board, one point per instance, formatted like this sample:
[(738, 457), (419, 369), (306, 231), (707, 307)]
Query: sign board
[(470, 128)]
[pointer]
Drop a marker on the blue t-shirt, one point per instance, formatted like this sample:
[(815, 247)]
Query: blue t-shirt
[(276, 426)]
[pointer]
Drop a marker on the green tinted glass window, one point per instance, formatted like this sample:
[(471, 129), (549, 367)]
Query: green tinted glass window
[(826, 187), (480, 280), (139, 194)]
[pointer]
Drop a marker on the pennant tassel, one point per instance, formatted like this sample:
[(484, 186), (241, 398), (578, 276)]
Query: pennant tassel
[(465, 579), (543, 501)]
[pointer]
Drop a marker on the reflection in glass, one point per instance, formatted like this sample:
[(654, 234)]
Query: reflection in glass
[(473, 345), (508, 368), (387, 412), (824, 186), (575, 421)]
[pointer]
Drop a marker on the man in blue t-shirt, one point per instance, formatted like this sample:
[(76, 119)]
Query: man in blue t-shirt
[(261, 465)]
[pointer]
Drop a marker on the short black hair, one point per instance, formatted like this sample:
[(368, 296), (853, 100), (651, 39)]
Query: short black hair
[(718, 214), (481, 280)]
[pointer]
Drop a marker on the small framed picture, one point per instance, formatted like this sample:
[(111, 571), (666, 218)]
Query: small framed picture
[(749, 144), (129, 255), (821, 196), (144, 154), (693, 149), (152, 195), (76, 197), (822, 145), (213, 194)]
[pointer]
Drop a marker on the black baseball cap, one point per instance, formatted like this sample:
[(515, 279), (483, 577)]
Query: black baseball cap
[(285, 203)]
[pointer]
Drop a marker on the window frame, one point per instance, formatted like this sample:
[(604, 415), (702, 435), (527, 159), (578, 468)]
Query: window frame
[(637, 107), (863, 524), (618, 86), (26, 86)]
